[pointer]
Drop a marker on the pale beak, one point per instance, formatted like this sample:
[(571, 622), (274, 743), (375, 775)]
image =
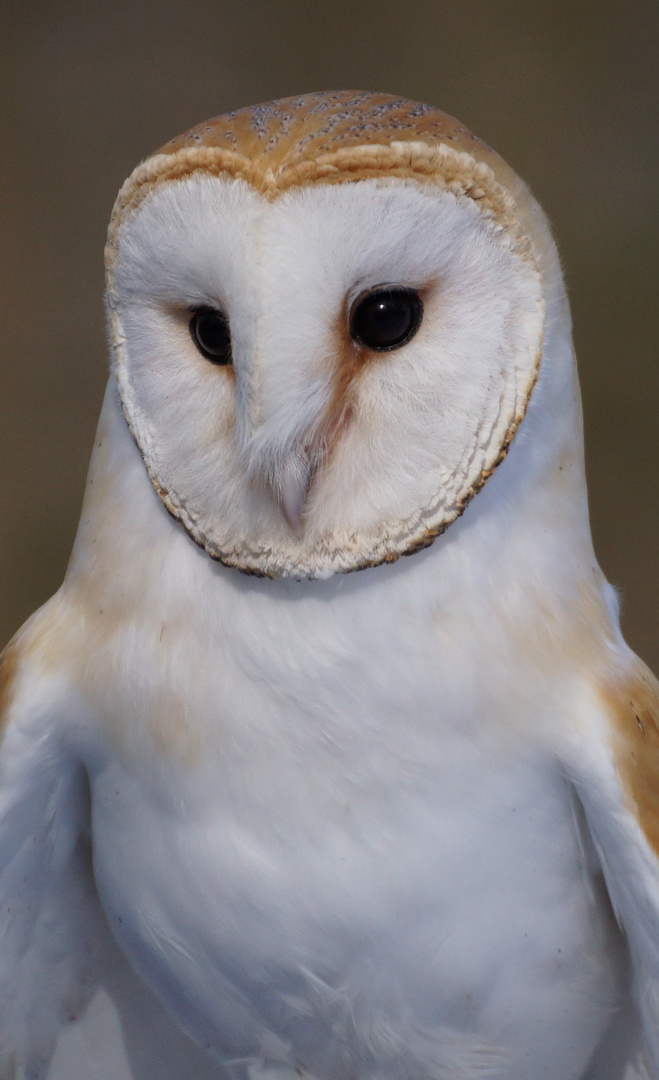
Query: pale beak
[(293, 489)]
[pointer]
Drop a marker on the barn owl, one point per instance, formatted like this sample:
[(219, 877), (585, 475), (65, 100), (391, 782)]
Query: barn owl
[(263, 817)]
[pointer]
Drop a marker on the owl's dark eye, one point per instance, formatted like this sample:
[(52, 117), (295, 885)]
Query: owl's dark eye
[(210, 332), (386, 317)]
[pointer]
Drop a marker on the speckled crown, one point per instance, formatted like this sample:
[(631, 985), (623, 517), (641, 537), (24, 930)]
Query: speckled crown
[(331, 137), (294, 130)]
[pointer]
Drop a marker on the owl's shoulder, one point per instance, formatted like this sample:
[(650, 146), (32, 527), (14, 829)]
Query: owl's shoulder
[(630, 697), (36, 673), (9, 663)]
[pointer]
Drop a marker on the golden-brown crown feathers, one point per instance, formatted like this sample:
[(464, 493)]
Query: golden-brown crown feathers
[(338, 136), (298, 129)]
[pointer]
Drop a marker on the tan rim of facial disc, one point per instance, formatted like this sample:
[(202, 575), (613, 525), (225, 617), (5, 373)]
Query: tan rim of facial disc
[(334, 138)]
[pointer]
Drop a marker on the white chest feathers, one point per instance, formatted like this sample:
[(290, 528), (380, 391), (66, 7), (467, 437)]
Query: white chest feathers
[(337, 852), (431, 917)]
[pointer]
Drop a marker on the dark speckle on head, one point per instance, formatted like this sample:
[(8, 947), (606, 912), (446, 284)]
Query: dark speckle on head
[(386, 107), (260, 116)]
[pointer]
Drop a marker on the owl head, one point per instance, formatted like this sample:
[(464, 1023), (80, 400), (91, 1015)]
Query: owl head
[(327, 318)]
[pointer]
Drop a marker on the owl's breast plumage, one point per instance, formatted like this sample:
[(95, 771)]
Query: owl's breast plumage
[(425, 888), (315, 828)]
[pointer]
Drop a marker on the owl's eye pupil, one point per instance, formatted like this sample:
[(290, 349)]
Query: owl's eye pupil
[(386, 318), (210, 332)]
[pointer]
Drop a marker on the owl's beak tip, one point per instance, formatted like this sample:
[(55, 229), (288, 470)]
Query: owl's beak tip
[(291, 507), (292, 498)]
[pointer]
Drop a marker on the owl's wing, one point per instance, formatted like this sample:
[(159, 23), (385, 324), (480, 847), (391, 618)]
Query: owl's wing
[(615, 769), (71, 1007), (46, 940)]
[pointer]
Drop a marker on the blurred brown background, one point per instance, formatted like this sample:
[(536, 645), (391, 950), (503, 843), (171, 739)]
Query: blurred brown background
[(565, 91)]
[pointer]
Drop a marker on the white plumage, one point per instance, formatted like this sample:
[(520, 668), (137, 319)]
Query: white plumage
[(399, 824)]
